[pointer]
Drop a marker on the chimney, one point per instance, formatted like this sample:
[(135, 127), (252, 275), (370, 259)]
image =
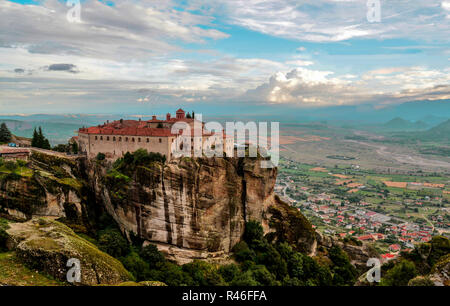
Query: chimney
[(168, 116), (153, 117)]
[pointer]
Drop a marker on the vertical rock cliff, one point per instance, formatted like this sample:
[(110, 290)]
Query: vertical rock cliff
[(197, 208), (189, 208)]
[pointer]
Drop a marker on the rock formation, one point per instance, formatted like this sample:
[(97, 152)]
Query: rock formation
[(189, 208)]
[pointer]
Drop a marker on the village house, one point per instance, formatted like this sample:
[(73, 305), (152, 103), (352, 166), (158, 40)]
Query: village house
[(13, 154), (114, 139)]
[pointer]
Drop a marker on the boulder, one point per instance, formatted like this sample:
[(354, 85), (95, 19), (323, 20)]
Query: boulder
[(46, 245)]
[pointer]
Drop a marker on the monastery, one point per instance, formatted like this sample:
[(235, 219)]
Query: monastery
[(119, 137)]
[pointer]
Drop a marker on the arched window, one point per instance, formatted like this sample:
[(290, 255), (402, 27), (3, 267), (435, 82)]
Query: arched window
[(148, 139), (96, 137), (126, 139), (160, 140), (139, 139), (101, 137), (120, 138), (107, 138), (114, 138), (132, 139)]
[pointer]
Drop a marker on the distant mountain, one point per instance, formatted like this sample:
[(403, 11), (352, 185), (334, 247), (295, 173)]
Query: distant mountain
[(438, 133), (56, 132), (400, 124)]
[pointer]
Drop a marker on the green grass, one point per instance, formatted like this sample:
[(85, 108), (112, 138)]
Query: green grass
[(14, 273), (22, 171)]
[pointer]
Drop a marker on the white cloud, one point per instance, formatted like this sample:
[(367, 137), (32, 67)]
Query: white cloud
[(127, 30), (303, 86), (337, 20)]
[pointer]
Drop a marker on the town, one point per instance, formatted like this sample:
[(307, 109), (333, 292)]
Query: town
[(363, 206)]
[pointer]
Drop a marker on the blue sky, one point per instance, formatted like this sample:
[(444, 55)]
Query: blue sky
[(135, 56)]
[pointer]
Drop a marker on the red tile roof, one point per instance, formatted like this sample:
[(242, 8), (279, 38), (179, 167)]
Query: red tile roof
[(13, 151), (135, 128)]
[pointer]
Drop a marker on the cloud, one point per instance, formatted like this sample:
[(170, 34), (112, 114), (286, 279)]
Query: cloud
[(63, 67), (127, 30), (302, 87), (19, 70), (338, 20)]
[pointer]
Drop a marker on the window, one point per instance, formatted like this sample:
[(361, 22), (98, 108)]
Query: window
[(160, 140), (107, 138), (96, 137), (139, 140), (126, 139), (148, 140), (101, 137), (120, 138), (132, 139), (114, 138)]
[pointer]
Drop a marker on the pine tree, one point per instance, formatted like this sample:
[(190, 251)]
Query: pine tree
[(35, 140), (193, 115), (39, 140), (5, 134), (188, 116)]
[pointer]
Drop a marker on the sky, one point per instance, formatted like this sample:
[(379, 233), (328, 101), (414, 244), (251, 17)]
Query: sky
[(132, 56)]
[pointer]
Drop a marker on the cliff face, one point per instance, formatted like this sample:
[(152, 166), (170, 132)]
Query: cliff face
[(189, 208), (46, 186), (197, 208)]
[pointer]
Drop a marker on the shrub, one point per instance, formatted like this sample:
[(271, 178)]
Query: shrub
[(136, 265), (152, 256), (10, 165), (101, 156), (21, 163), (253, 233), (400, 274), (203, 273), (229, 272), (112, 242)]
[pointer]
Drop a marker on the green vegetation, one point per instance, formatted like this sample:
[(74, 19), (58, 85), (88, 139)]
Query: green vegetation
[(39, 140), (5, 134), (101, 156), (400, 274), (413, 268), (3, 235), (14, 273)]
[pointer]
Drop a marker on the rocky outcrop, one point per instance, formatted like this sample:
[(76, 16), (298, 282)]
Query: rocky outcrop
[(197, 208), (440, 274), (47, 245), (45, 186), (190, 208)]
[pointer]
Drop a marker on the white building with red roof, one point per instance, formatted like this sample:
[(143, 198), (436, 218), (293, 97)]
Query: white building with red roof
[(114, 139)]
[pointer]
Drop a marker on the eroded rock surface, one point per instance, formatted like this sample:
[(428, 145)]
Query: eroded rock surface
[(47, 245)]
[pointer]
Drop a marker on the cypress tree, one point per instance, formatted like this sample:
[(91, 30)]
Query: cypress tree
[(5, 134), (35, 140)]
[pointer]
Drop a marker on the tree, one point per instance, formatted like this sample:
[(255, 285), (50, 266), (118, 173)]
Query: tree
[(400, 274), (188, 116), (39, 140), (5, 134), (35, 140), (101, 156), (74, 147), (112, 242)]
